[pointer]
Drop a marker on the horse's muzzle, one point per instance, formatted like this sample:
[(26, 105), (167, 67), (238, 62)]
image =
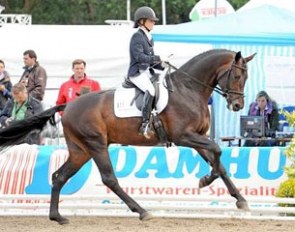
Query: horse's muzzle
[(237, 106)]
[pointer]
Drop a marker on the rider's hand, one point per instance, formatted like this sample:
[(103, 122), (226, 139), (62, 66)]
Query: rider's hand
[(165, 64)]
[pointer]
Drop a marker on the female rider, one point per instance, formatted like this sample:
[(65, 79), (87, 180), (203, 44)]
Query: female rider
[(143, 61)]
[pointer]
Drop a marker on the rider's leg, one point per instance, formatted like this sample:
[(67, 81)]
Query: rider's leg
[(146, 112), (143, 83)]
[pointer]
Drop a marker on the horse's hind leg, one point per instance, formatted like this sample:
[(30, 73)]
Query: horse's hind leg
[(103, 162), (60, 177)]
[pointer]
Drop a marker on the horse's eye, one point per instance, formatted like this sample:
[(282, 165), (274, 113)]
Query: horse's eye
[(237, 77)]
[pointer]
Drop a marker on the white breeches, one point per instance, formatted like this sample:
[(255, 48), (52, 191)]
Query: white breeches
[(143, 82)]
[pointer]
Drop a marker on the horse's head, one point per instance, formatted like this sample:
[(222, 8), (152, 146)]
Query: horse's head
[(231, 78)]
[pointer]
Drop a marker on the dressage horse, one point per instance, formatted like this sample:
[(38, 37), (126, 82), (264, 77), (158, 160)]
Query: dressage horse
[(90, 125)]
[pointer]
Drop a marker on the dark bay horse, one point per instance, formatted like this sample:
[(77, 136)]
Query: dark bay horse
[(90, 125)]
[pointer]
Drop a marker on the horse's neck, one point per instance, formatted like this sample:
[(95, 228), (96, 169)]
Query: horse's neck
[(197, 79), (203, 72), (188, 88)]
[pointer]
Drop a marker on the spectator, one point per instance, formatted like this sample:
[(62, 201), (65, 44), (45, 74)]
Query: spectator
[(34, 77), (5, 85), (266, 107), (19, 107), (78, 84)]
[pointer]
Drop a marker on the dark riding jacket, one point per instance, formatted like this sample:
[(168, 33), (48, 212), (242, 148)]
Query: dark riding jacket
[(142, 55)]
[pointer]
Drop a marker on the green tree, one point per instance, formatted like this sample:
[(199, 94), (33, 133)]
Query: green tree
[(97, 11)]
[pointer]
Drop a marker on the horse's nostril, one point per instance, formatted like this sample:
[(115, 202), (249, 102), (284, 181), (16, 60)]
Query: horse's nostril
[(238, 106)]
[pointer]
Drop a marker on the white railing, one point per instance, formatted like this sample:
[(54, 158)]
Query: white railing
[(159, 206), (115, 22)]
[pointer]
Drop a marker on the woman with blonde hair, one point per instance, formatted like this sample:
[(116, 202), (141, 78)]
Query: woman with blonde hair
[(267, 107)]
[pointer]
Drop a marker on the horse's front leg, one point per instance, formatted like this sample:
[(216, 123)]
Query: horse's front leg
[(211, 153), (234, 192)]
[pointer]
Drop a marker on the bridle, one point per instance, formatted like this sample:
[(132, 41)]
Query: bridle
[(225, 93)]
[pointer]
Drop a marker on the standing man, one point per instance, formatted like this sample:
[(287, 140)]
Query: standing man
[(34, 76), (78, 84)]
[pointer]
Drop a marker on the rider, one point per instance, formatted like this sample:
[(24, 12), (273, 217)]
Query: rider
[(143, 61)]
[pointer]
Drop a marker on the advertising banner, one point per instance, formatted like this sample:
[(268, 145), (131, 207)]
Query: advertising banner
[(147, 171), (205, 9)]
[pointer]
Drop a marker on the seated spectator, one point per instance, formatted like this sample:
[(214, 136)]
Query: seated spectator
[(266, 107), (78, 84), (19, 107), (5, 85)]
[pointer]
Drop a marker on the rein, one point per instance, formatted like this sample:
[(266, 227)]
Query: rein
[(216, 88)]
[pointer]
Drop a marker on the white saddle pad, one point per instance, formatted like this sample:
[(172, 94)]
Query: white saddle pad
[(123, 99)]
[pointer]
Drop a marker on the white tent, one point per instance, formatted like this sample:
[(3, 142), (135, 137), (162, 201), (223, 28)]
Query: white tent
[(104, 48), (273, 39), (284, 4)]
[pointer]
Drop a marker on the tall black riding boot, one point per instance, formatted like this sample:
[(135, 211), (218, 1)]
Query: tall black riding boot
[(146, 112)]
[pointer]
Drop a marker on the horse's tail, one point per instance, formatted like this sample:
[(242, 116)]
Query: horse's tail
[(17, 132)]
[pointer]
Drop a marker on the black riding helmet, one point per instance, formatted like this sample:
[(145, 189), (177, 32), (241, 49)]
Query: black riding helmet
[(144, 12)]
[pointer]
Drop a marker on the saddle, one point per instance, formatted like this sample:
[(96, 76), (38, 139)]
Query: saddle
[(128, 101), (138, 98)]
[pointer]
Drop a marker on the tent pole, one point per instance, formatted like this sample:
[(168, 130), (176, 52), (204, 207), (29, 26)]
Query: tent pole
[(164, 12)]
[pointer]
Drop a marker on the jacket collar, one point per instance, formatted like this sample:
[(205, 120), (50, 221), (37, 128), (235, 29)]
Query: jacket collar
[(147, 35), (79, 81)]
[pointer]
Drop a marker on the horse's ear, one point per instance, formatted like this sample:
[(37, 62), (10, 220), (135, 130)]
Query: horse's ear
[(247, 59), (238, 56)]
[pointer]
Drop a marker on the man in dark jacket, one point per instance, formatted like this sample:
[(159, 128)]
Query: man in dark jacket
[(21, 106), (34, 76)]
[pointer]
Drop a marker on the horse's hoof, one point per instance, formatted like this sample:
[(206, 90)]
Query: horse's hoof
[(59, 219), (203, 182), (243, 205), (145, 216)]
